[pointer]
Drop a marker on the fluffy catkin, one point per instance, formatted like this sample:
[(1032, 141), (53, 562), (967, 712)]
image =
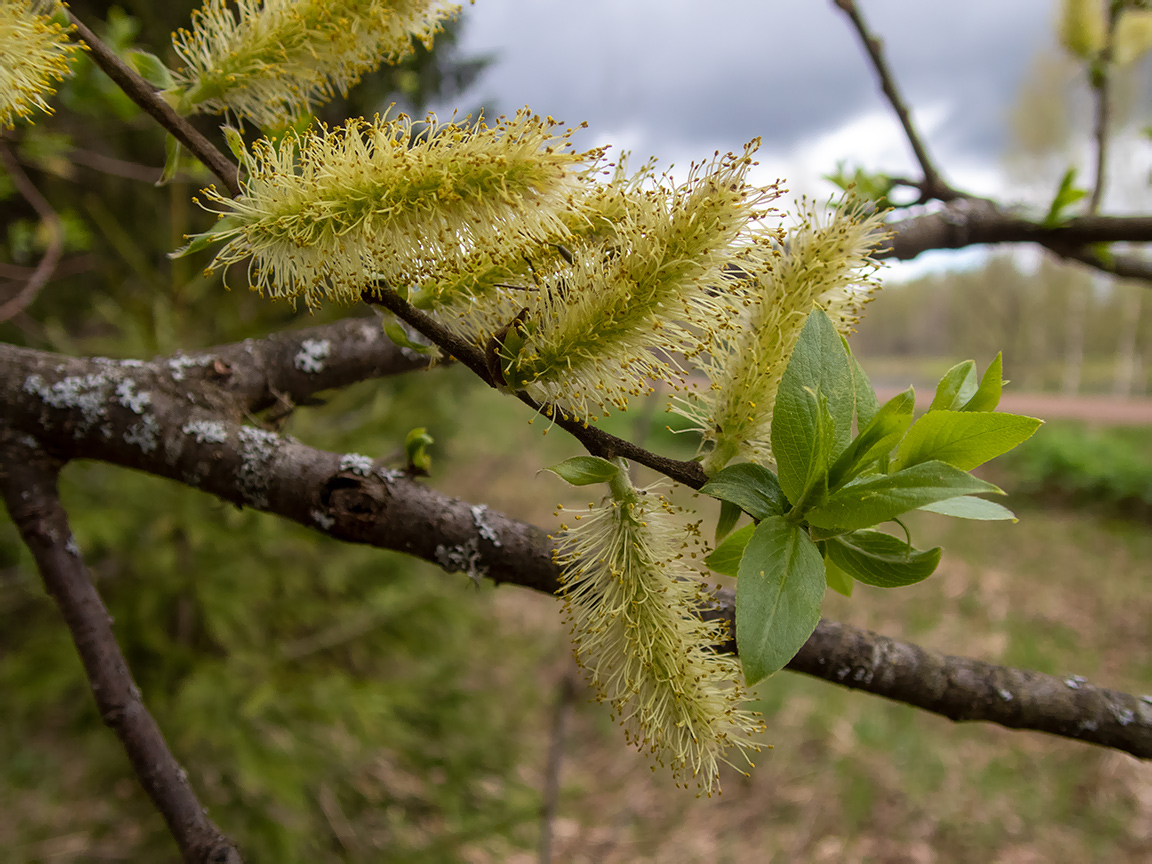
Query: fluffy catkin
[(270, 61), (35, 53), (328, 212), (634, 608)]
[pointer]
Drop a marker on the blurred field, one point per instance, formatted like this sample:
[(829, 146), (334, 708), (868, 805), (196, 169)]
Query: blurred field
[(853, 777)]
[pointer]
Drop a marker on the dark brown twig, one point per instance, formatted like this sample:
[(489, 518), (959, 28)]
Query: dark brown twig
[(361, 501), (933, 185), (1100, 79), (144, 95), (968, 222), (565, 692), (595, 441), (28, 485), (52, 253)]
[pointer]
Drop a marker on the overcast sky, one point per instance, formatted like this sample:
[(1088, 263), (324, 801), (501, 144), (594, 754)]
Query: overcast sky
[(679, 79)]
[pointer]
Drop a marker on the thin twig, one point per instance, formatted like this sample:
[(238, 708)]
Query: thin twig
[(144, 95), (1100, 78), (28, 485), (565, 691), (595, 441), (52, 253), (934, 185)]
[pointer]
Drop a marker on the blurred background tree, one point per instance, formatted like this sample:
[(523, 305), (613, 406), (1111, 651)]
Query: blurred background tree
[(373, 713)]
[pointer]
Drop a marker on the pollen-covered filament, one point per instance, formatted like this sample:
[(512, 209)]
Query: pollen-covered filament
[(634, 609)]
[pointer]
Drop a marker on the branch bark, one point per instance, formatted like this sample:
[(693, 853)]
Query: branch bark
[(28, 485), (971, 221), (96, 410)]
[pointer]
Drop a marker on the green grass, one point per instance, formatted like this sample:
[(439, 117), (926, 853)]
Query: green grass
[(1076, 465)]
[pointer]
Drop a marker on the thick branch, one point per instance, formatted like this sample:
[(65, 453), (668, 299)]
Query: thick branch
[(28, 484), (933, 185), (969, 222), (77, 406), (144, 95), (595, 441)]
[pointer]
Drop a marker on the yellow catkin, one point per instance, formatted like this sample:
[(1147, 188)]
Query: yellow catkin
[(35, 54), (270, 61), (634, 609)]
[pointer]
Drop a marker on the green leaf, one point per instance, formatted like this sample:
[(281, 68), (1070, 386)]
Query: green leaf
[(415, 448), (816, 382), (151, 69), (778, 592), (963, 438), (751, 487), (838, 580), (725, 558), (879, 559), (875, 440), (866, 402), (729, 515), (199, 242), (877, 499), (956, 387), (400, 337), (585, 470), (1067, 194), (967, 507), (987, 396), (172, 150)]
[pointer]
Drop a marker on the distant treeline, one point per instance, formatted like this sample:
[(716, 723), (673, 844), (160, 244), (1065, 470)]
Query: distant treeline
[(1061, 328)]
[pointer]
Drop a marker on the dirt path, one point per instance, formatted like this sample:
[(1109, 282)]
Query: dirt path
[(1098, 410)]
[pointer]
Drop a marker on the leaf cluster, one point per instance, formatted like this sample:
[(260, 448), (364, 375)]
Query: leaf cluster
[(814, 519)]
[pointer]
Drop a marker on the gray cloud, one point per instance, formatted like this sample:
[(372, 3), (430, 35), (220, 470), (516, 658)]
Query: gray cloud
[(685, 76)]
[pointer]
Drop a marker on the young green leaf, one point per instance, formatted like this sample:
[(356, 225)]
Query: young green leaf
[(875, 440), (751, 487), (987, 395), (956, 387), (725, 558), (172, 150), (400, 338), (878, 499), (965, 439), (151, 68), (879, 559), (1067, 194), (866, 402), (416, 450), (967, 507), (584, 470), (816, 381), (838, 580), (729, 515), (778, 592)]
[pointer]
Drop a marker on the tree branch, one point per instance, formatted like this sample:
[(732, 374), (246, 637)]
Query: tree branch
[(88, 410), (933, 185), (1100, 79), (971, 221), (28, 485), (144, 95), (595, 441)]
